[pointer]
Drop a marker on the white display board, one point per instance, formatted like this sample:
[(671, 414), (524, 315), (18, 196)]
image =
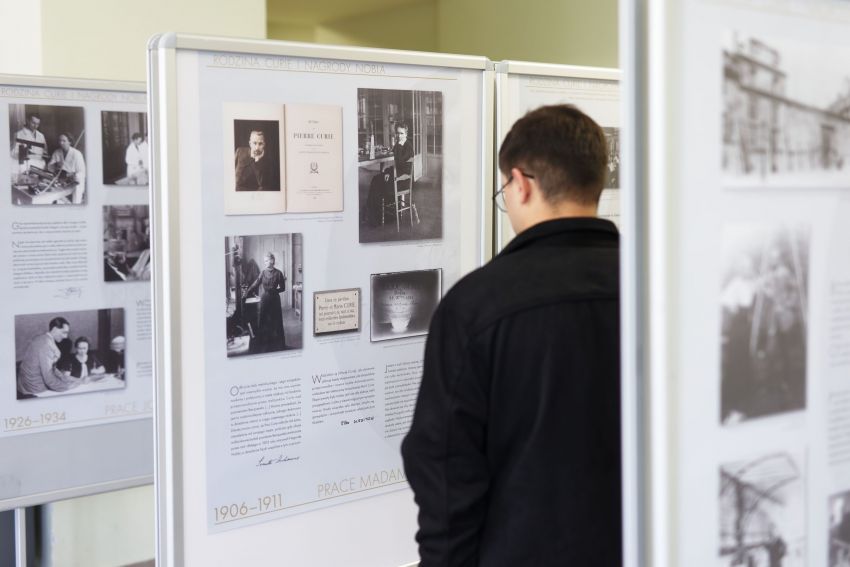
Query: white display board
[(286, 384), (75, 410), (523, 86), (744, 110)]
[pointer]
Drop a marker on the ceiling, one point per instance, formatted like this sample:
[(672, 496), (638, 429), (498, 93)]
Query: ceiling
[(312, 12)]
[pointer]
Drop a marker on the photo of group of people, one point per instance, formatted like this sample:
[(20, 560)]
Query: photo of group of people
[(126, 243), (264, 306), (400, 158), (764, 312), (48, 153), (69, 352)]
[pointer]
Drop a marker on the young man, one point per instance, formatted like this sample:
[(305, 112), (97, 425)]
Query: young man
[(514, 450)]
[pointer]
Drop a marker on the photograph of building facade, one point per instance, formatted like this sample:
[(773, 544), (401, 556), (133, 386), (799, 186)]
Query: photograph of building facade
[(767, 131)]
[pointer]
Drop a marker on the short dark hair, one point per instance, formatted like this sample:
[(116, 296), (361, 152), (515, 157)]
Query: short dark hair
[(57, 323), (402, 126), (136, 136), (563, 148), (33, 115), (82, 340)]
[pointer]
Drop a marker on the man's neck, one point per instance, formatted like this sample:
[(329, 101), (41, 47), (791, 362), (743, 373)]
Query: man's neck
[(563, 210)]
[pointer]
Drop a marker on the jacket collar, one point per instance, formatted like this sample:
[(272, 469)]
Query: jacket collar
[(578, 226)]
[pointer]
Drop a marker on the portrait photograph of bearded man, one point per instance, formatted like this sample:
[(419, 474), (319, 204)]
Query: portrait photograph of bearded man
[(257, 155)]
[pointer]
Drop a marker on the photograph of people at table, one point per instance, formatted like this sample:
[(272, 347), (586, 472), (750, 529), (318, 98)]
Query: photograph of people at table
[(126, 243), (264, 293), (57, 353), (400, 157), (124, 138), (47, 143)]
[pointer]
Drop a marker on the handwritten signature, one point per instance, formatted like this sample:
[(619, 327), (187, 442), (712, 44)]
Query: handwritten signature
[(69, 292), (265, 461)]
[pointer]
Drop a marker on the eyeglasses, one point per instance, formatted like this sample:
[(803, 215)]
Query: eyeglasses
[(499, 196)]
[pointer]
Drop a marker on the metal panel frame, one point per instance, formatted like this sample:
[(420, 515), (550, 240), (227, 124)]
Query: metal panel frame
[(637, 527), (162, 109), (31, 81), (71, 83)]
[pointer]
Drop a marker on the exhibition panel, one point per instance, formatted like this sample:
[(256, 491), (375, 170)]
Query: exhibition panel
[(746, 117), (326, 197), (75, 415), (523, 86)]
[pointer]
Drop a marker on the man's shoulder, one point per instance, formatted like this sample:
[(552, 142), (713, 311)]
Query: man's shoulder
[(243, 153), (528, 279), (41, 341)]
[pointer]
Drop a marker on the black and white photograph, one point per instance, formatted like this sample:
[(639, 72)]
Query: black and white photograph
[(126, 243), (400, 158), (762, 512), (612, 137), (764, 315), (784, 118), (403, 303), (124, 139), (48, 145), (69, 353), (257, 155), (264, 293), (839, 530)]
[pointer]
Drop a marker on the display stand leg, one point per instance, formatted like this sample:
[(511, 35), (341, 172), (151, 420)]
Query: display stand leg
[(20, 537)]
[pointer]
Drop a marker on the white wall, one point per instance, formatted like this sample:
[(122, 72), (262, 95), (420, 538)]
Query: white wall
[(98, 39), (100, 531), (20, 37)]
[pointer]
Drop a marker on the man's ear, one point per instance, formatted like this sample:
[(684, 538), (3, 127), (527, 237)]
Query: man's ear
[(523, 184)]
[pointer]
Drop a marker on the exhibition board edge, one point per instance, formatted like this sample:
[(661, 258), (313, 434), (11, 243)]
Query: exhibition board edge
[(311, 50), (634, 407), (162, 108), (659, 58), (503, 71), (71, 83), (162, 104)]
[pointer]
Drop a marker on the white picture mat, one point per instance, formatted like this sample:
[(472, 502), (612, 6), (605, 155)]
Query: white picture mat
[(593, 90), (690, 207), (112, 430), (387, 536)]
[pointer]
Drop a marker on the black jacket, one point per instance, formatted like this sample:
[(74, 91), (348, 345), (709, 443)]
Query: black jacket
[(514, 450)]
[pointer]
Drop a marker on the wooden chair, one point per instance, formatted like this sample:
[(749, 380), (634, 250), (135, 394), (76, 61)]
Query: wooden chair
[(402, 198)]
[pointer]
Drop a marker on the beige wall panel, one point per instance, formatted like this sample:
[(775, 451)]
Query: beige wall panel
[(411, 27), (95, 39), (20, 37), (574, 32)]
